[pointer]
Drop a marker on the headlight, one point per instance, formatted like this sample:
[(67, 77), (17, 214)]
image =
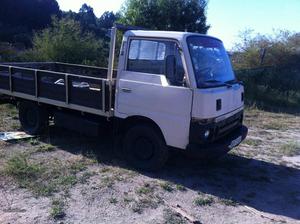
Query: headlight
[(206, 134)]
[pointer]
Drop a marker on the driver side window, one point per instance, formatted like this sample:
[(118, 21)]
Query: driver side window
[(150, 56)]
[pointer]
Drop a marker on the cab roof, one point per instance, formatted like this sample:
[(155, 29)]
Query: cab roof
[(180, 36)]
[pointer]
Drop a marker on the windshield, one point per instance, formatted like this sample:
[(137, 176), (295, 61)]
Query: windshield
[(211, 63)]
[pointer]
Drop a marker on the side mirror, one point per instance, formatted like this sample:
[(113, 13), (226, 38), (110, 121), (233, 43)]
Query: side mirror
[(170, 68), (174, 73)]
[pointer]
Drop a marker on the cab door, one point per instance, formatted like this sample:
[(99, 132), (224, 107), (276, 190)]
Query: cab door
[(145, 87)]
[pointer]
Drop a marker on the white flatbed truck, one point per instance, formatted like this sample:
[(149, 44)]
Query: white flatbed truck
[(171, 90)]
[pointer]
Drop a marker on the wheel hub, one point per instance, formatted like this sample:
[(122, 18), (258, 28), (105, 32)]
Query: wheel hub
[(144, 148)]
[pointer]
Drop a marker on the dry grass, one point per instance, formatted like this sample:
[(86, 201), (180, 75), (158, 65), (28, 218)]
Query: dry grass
[(252, 142), (203, 200), (167, 186), (57, 209), (9, 120), (268, 121), (170, 217), (46, 170), (43, 179), (290, 149)]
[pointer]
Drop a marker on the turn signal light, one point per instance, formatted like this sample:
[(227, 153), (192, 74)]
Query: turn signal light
[(219, 104)]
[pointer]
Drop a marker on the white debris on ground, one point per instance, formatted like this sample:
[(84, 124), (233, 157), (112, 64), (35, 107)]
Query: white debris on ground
[(10, 136)]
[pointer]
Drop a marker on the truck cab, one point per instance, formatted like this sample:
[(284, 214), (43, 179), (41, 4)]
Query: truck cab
[(184, 83)]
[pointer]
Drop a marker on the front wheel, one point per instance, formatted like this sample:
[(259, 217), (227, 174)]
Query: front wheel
[(145, 148)]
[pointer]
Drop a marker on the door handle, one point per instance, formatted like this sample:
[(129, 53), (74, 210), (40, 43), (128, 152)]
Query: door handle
[(126, 90)]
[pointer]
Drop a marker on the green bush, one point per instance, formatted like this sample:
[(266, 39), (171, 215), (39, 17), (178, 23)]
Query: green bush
[(7, 52), (272, 88), (269, 67), (65, 41)]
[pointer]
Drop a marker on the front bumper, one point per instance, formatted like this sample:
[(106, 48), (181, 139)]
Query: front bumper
[(222, 145)]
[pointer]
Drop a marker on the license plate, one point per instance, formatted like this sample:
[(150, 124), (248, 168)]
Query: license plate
[(235, 142)]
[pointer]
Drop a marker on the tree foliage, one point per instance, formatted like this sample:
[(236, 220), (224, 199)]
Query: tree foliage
[(176, 15), (269, 67), (65, 41), (89, 21), (87, 18), (281, 50), (19, 17)]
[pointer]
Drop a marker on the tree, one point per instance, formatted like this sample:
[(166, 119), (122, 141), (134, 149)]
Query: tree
[(34, 14), (89, 22), (19, 17), (66, 42), (87, 18), (279, 50), (269, 66), (176, 15), (107, 19)]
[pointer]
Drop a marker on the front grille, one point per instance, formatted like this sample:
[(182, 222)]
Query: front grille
[(217, 129), (226, 126)]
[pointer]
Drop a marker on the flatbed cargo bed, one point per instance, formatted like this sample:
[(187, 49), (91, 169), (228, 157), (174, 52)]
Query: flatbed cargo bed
[(77, 87)]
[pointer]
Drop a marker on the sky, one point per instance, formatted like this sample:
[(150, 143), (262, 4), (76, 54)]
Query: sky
[(227, 18)]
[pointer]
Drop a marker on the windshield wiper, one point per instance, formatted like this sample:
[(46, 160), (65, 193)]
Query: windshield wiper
[(233, 81), (218, 81)]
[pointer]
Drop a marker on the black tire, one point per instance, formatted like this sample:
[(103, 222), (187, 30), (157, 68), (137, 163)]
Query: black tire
[(145, 148), (33, 118)]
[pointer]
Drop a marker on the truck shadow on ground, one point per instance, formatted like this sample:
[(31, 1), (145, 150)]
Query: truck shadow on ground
[(265, 186)]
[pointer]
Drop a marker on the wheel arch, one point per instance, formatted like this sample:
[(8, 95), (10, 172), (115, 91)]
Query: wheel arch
[(137, 119)]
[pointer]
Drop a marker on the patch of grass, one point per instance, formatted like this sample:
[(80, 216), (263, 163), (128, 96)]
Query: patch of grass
[(112, 176), (290, 149), (78, 166), (91, 156), (108, 182), (128, 199), (19, 168), (105, 170), (147, 198), (252, 142), (113, 200), (45, 148), (170, 217), (203, 201), (146, 189), (179, 187), (46, 178), (146, 202), (228, 202), (85, 177), (34, 141), (57, 209), (278, 124), (136, 208), (44, 189), (2, 155), (8, 115), (166, 186), (66, 181)]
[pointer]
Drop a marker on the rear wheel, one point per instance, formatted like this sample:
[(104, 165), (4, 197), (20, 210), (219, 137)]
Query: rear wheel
[(33, 118), (145, 148)]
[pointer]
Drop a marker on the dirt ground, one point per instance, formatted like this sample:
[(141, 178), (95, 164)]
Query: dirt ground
[(64, 177)]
